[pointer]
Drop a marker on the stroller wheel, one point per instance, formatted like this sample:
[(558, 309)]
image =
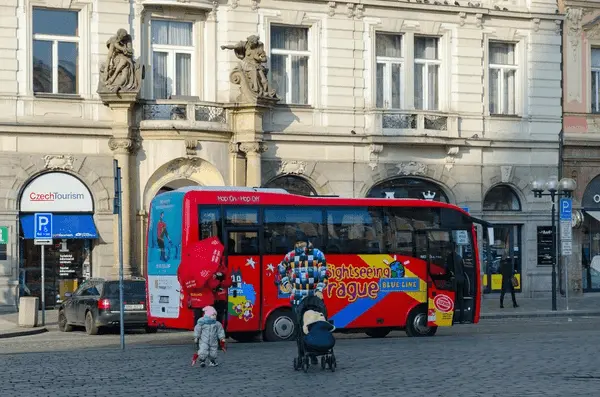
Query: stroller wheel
[(332, 363), (323, 362), (305, 364), (296, 364)]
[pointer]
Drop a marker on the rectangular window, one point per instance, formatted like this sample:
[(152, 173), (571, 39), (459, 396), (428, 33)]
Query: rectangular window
[(355, 231), (3, 252), (210, 223), (55, 51), (241, 216), (285, 226), (503, 73), (290, 57), (595, 80), (389, 71), (172, 54), (242, 243), (427, 73)]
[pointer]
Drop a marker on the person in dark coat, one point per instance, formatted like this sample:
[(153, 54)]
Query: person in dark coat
[(506, 269), (456, 267)]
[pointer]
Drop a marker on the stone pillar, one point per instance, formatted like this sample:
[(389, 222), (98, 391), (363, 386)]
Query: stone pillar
[(118, 87), (253, 152), (122, 149)]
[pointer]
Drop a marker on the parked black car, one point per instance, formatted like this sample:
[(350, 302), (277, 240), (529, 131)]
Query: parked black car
[(95, 305)]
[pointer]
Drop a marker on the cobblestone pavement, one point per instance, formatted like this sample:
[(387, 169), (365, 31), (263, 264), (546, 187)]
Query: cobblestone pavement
[(544, 357)]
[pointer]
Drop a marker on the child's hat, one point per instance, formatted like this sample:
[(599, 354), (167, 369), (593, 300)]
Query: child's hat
[(209, 311)]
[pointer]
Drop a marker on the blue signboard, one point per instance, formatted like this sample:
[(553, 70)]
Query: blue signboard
[(42, 226), (466, 209), (566, 209)]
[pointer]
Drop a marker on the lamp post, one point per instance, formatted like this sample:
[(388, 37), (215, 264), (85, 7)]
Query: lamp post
[(554, 188)]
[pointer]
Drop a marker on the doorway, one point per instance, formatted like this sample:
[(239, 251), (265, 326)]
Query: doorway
[(505, 246)]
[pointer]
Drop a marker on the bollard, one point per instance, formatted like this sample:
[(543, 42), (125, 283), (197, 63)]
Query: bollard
[(28, 311)]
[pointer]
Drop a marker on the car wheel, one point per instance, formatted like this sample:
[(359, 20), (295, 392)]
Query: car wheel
[(63, 325), (280, 326), (90, 324)]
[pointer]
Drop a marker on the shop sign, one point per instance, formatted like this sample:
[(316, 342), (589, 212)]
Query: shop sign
[(3, 235), (56, 192)]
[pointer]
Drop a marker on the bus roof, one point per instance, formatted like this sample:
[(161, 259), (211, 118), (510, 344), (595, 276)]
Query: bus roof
[(236, 195)]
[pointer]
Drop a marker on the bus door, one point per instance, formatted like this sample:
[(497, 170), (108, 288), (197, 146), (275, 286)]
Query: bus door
[(242, 248), (434, 247)]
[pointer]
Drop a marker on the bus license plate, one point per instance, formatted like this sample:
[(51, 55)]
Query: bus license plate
[(134, 307)]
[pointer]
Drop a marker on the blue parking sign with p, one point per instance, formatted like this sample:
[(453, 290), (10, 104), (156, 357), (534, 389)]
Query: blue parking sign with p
[(566, 209), (43, 226)]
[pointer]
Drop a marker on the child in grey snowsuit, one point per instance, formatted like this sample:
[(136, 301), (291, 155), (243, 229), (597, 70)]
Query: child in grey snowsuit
[(208, 335)]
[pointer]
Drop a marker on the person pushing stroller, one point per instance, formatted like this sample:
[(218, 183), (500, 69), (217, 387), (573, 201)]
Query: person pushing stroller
[(303, 274)]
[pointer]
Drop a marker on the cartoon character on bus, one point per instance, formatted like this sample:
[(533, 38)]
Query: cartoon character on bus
[(242, 297)]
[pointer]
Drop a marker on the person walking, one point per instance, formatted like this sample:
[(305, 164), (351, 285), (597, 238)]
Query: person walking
[(506, 268)]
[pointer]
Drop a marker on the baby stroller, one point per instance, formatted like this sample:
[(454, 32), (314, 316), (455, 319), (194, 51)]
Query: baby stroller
[(306, 351)]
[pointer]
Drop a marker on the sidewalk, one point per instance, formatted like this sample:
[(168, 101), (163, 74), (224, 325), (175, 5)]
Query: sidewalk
[(586, 305), (9, 324)]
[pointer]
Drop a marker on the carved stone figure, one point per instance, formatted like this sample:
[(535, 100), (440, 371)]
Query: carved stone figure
[(251, 74), (120, 72)]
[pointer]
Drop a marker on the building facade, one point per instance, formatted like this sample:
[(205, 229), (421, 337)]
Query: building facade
[(458, 102), (581, 155)]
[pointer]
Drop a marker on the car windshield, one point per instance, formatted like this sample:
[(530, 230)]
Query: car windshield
[(130, 288)]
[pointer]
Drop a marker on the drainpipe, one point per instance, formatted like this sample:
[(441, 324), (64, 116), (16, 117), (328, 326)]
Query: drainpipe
[(561, 282)]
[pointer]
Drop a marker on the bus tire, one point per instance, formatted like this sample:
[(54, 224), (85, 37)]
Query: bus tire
[(378, 332), (416, 324), (280, 326)]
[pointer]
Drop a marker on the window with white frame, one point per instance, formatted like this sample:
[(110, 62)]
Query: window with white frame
[(502, 79), (172, 58), (290, 56), (595, 80), (427, 73), (55, 51), (390, 66)]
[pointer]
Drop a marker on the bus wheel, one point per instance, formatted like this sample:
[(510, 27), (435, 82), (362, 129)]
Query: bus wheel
[(280, 326), (243, 337), (416, 324), (378, 332)]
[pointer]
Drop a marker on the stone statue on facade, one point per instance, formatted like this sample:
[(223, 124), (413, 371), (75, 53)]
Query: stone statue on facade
[(251, 74), (120, 73)]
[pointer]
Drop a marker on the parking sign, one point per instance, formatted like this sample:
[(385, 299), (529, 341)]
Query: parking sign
[(43, 226), (566, 209)]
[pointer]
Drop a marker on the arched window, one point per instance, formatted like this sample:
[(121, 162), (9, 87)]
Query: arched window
[(293, 184), (413, 188), (501, 198)]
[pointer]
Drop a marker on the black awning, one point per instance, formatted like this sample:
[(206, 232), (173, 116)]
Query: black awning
[(480, 222)]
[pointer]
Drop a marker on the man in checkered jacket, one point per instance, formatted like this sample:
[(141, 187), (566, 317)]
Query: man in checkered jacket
[(303, 272)]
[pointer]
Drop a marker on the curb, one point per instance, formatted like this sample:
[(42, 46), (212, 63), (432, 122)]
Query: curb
[(562, 313), (15, 334)]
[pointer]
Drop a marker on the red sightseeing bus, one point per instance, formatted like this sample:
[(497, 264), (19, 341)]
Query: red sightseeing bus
[(387, 259)]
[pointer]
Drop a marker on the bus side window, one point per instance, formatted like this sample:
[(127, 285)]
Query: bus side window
[(355, 231), (210, 223), (398, 232), (285, 226)]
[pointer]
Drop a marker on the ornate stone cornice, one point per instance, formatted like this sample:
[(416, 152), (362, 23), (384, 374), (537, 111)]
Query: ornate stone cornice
[(253, 147), (123, 145)]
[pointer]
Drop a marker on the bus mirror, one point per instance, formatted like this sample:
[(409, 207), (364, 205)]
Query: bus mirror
[(234, 294)]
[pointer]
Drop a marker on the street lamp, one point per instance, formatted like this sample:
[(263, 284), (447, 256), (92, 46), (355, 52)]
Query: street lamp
[(555, 188)]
